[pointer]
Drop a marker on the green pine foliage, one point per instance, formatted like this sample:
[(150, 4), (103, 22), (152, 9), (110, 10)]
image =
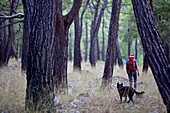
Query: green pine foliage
[(127, 24)]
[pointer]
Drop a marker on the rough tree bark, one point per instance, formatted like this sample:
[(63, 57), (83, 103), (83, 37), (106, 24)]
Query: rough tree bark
[(113, 34), (41, 26), (86, 44), (153, 48), (61, 50)]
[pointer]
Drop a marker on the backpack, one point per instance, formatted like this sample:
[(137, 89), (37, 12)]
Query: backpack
[(131, 63)]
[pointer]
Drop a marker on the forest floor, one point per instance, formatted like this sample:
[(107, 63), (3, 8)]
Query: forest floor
[(84, 95)]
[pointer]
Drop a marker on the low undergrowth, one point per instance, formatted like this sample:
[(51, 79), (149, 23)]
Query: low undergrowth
[(84, 94)]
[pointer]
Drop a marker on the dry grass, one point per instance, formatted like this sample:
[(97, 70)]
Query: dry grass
[(13, 85)]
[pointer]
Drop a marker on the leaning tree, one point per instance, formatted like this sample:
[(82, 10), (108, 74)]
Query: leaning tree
[(153, 47)]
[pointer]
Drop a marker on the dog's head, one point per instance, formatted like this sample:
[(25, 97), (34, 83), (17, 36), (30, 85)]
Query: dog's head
[(119, 85)]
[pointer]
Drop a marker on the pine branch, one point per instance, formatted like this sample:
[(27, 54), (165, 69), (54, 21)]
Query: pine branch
[(18, 15)]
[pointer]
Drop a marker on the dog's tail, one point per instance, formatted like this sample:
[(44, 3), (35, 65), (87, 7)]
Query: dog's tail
[(139, 93)]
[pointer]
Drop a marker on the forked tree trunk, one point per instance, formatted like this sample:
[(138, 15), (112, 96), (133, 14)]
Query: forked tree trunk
[(113, 34), (40, 86), (61, 50), (98, 26), (94, 41), (92, 55), (153, 48)]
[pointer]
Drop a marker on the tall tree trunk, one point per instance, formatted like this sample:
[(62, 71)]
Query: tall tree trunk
[(115, 57), (129, 46), (95, 32), (5, 35), (78, 34), (113, 34), (92, 55), (98, 49), (167, 51), (9, 50), (145, 63), (136, 48), (20, 52), (70, 46), (17, 47), (98, 26), (86, 44), (77, 51), (152, 45), (118, 54), (103, 44), (61, 50), (40, 87), (2, 47), (151, 4), (25, 42), (81, 19)]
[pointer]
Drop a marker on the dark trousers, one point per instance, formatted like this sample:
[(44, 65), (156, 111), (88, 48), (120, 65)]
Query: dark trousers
[(133, 75)]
